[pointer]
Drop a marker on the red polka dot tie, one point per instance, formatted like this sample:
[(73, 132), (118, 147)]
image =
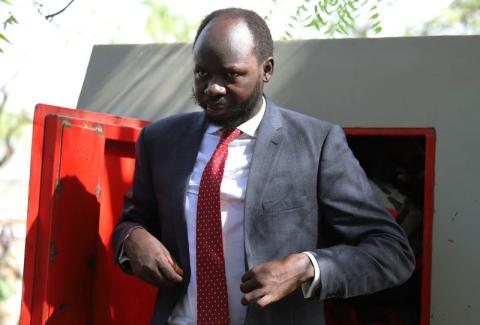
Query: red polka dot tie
[(212, 297)]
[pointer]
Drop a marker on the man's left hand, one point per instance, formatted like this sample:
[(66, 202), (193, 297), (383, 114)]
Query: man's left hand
[(270, 282)]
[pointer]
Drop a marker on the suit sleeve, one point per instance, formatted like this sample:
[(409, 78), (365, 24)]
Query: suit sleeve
[(139, 208), (373, 253)]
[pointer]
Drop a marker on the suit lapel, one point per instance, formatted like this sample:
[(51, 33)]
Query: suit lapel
[(267, 145), (187, 149)]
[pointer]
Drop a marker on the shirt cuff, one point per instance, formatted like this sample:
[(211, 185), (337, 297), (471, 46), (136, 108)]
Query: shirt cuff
[(309, 287)]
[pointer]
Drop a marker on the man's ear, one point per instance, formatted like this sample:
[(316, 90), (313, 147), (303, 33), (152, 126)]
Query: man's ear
[(267, 69)]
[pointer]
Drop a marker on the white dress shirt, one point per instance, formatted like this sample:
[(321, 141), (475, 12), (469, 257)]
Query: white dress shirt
[(232, 203)]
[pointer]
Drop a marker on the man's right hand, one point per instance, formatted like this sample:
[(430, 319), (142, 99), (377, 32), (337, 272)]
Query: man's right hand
[(150, 260)]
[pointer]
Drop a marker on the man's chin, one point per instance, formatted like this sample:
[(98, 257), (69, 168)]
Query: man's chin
[(226, 122)]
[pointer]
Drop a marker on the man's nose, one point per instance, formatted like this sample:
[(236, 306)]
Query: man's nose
[(215, 89)]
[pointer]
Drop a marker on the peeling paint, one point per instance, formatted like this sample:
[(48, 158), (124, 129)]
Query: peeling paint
[(66, 122), (98, 191), (98, 129)]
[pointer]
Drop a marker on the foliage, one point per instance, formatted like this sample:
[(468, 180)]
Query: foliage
[(461, 17), (332, 17), (163, 26), (10, 20)]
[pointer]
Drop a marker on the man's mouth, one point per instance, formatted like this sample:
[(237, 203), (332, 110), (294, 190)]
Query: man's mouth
[(215, 107)]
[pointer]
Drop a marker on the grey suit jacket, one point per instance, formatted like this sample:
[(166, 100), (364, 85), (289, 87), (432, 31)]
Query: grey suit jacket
[(306, 192)]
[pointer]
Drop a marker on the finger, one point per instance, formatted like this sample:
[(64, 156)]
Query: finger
[(264, 301), (177, 268), (247, 276), (253, 296), (249, 285), (168, 272), (151, 276)]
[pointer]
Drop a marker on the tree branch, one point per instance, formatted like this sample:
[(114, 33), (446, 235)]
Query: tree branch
[(50, 17)]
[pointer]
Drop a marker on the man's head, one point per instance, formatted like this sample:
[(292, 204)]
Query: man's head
[(232, 52)]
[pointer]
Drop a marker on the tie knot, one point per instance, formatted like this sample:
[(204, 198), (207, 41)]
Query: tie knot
[(229, 135)]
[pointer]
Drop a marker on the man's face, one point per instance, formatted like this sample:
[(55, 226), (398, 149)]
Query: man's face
[(228, 77)]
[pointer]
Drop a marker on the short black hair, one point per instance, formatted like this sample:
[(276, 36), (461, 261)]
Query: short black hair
[(256, 24)]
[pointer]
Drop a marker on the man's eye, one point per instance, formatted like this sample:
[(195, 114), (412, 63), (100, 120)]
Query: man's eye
[(232, 75), (200, 74)]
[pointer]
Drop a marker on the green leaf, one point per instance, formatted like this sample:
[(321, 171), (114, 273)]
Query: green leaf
[(9, 21), (375, 25), (341, 29), (319, 16), (349, 15), (378, 30), (3, 38), (351, 5), (309, 18), (331, 29), (374, 16), (311, 23), (322, 7), (301, 9)]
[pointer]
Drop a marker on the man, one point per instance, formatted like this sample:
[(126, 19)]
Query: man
[(291, 211)]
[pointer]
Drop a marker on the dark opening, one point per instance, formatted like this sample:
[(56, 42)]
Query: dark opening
[(395, 166)]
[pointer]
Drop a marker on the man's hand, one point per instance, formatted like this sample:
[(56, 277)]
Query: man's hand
[(150, 260), (270, 282)]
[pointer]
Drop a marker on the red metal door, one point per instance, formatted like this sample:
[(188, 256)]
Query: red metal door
[(82, 164)]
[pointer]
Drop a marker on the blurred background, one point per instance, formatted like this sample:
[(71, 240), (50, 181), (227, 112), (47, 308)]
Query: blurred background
[(45, 47)]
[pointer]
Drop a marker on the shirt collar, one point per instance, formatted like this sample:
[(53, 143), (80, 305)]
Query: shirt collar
[(248, 127)]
